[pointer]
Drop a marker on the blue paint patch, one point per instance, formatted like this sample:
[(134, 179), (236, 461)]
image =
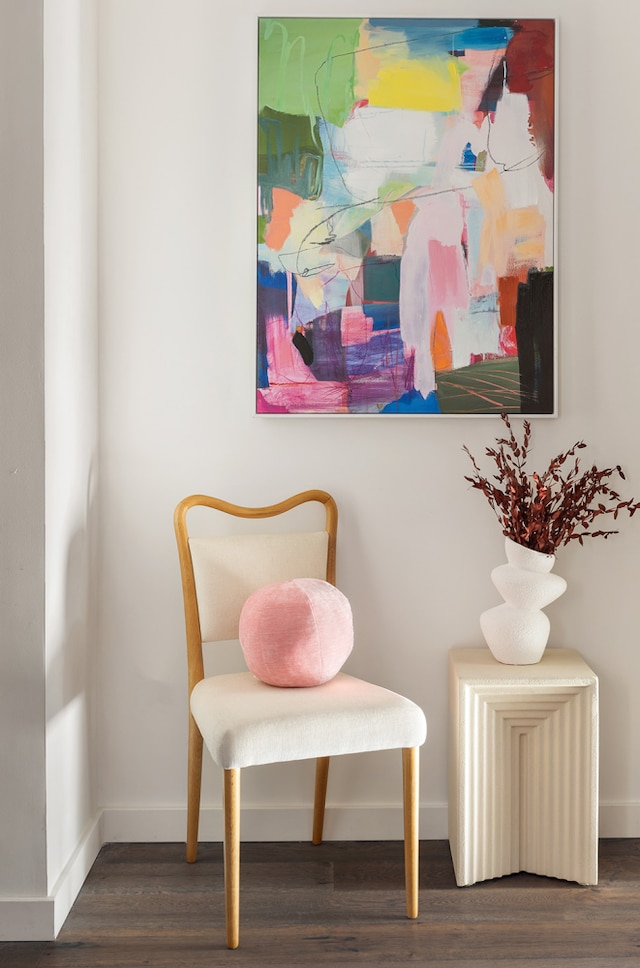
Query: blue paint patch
[(262, 375), (488, 303), (272, 280), (366, 231), (413, 402), (383, 315), (469, 159), (428, 33), (442, 35), (484, 38)]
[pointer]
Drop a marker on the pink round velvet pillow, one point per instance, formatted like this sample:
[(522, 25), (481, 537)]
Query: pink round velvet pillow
[(296, 633)]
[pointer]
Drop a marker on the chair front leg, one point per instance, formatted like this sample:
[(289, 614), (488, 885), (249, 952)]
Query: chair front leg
[(320, 797), (232, 856), (194, 782), (410, 787)]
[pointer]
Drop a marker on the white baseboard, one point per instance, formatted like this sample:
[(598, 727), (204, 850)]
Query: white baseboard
[(122, 825), (67, 887), (40, 918), (382, 822), (27, 919)]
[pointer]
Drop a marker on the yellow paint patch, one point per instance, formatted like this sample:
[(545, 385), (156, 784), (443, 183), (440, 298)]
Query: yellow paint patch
[(414, 86), (386, 238), (510, 238), (494, 251), (312, 288), (527, 228), (305, 253), (490, 191)]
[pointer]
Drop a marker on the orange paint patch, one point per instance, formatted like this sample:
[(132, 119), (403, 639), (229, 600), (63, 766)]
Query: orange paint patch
[(441, 344), (367, 65), (508, 297), (403, 213), (279, 225)]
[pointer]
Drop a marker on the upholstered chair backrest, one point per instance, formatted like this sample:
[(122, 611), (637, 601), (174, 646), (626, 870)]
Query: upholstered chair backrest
[(219, 573), (228, 569)]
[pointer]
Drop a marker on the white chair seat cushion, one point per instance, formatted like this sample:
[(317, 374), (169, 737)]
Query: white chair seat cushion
[(245, 722)]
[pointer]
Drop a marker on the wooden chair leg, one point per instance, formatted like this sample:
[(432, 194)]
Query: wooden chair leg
[(320, 798), (194, 782), (410, 784), (232, 855)]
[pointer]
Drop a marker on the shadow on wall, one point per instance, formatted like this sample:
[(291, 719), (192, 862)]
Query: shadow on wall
[(70, 656)]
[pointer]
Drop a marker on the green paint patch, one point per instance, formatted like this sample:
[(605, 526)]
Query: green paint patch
[(288, 155), (306, 65), (492, 386), (394, 190), (381, 280), (281, 135)]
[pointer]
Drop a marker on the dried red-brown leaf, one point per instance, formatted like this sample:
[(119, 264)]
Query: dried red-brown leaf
[(542, 511)]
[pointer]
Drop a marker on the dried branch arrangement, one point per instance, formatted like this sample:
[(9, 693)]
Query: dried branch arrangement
[(546, 511)]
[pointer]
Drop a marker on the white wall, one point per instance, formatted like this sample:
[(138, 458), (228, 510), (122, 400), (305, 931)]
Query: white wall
[(49, 822), (177, 229), (22, 762), (71, 390)]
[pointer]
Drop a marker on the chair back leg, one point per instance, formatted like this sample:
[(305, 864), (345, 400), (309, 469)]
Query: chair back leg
[(194, 782), (320, 798), (410, 786), (232, 855)]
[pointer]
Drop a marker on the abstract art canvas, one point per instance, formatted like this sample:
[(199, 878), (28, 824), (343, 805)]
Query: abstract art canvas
[(406, 216)]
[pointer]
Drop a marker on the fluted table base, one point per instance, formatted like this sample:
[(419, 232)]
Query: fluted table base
[(523, 775)]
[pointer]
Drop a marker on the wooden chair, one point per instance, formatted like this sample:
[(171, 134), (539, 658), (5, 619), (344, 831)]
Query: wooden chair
[(244, 722)]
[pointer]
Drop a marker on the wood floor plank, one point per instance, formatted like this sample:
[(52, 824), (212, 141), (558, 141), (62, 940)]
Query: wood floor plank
[(339, 905)]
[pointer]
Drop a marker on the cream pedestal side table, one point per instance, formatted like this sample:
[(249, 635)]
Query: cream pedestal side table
[(523, 771)]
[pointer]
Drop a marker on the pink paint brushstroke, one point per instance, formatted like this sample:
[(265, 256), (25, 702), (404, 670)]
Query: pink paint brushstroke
[(292, 386)]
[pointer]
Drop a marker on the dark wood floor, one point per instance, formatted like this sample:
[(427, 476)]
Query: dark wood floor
[(339, 904)]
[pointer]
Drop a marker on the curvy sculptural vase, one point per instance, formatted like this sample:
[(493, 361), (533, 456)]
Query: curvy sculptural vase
[(517, 632)]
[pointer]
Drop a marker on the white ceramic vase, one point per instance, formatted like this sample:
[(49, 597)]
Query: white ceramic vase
[(517, 632)]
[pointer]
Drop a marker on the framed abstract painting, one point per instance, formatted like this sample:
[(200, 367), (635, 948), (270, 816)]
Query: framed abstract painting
[(406, 216)]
